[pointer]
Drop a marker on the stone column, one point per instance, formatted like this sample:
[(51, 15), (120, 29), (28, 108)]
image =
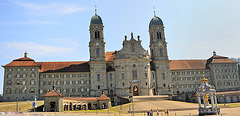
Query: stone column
[(68, 106), (199, 101), (212, 100), (86, 106), (204, 100), (215, 100)]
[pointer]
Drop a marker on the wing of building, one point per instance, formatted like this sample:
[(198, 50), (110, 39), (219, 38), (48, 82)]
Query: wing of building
[(130, 71)]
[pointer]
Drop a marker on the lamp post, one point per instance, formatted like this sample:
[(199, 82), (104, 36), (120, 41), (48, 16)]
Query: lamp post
[(223, 99)]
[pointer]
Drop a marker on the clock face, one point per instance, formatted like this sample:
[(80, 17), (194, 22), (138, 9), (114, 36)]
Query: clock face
[(97, 43), (160, 44)]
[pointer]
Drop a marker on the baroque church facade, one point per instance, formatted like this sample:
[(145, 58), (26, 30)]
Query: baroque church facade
[(131, 71)]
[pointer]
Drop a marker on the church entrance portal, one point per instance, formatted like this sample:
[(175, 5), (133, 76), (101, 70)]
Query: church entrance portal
[(52, 106), (135, 91)]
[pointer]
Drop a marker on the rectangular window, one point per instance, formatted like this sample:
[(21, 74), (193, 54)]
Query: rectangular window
[(23, 91), (122, 75), (64, 90), (32, 82), (70, 75), (76, 75), (87, 81), (81, 75), (82, 89), (98, 77), (76, 82), (24, 69), (33, 75), (70, 90), (33, 69), (18, 82), (146, 75), (41, 83), (41, 91), (18, 69), (10, 69), (76, 90), (59, 76), (47, 76), (58, 90), (23, 82), (52, 76), (65, 82), (88, 89), (64, 76), (70, 82), (9, 75), (163, 76), (58, 82), (18, 75), (110, 76), (32, 90), (82, 81)]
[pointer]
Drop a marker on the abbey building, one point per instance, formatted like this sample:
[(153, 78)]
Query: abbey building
[(131, 71)]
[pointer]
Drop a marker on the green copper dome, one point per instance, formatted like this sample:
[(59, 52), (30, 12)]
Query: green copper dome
[(155, 21), (96, 20)]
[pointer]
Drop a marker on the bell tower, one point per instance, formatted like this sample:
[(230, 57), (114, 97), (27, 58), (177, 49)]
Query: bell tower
[(97, 57), (158, 44), (159, 56), (96, 44)]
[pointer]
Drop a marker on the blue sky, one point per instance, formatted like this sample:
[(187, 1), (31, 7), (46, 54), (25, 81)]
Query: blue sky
[(57, 30)]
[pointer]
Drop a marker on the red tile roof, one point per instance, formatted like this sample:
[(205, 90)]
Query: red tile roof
[(102, 97), (53, 93), (109, 56), (47, 67), (220, 59), (187, 64), (25, 61)]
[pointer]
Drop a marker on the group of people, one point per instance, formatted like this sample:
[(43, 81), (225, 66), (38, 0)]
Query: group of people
[(150, 112)]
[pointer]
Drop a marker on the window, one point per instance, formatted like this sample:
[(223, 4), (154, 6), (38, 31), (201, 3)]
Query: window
[(97, 51), (70, 90), (161, 52), (146, 75), (81, 75), (82, 81), (9, 82), (123, 84), (18, 82), (122, 75), (110, 85), (10, 69), (32, 90), (153, 75), (64, 82), (24, 75), (82, 89), (9, 75), (70, 82), (8, 91), (18, 69), (33, 69), (97, 34), (87, 81), (164, 85), (32, 82), (64, 76), (146, 83), (23, 82), (47, 83), (47, 76), (41, 83), (64, 90), (23, 91), (41, 91), (58, 82), (76, 82), (88, 89), (163, 76), (159, 35), (24, 69), (98, 77), (59, 76), (18, 75), (41, 76), (110, 76), (33, 75), (134, 74), (58, 90), (76, 90), (52, 76), (70, 75), (76, 75)]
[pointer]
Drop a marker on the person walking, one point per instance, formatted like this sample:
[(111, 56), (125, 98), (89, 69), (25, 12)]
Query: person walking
[(151, 112), (148, 113), (157, 112)]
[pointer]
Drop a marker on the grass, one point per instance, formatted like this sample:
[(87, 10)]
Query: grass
[(22, 105)]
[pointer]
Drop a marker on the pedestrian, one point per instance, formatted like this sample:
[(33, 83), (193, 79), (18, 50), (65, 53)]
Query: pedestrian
[(148, 113), (167, 112), (151, 112), (157, 112)]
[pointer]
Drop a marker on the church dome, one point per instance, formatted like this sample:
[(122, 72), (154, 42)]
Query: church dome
[(155, 21), (96, 20)]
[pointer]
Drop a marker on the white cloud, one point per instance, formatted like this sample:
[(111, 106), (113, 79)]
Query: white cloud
[(50, 9), (37, 49)]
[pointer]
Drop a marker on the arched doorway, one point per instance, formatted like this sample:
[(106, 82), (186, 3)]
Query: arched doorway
[(89, 106), (84, 106), (52, 106), (79, 106), (234, 99), (228, 99), (111, 92), (154, 91), (221, 100), (135, 91)]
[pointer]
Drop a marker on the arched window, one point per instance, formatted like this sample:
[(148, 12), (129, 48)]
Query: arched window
[(97, 34), (161, 52), (97, 51), (159, 35), (151, 36), (134, 74), (163, 76)]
